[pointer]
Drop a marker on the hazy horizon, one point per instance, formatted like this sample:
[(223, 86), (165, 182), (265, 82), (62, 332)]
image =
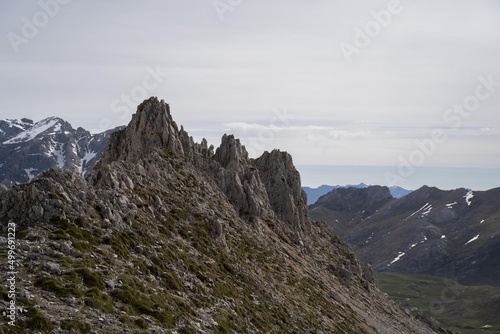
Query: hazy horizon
[(484, 178), (407, 92)]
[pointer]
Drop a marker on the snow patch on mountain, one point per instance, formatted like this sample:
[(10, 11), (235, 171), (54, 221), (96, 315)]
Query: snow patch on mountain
[(29, 172), (58, 153), (471, 240), (427, 210), (397, 258), (57, 128), (422, 208), (369, 238), (468, 197), (20, 124), (89, 156), (32, 132), (401, 254), (85, 160)]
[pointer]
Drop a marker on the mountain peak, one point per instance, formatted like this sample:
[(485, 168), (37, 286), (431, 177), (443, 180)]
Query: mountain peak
[(28, 148), (259, 189), (29, 131), (151, 127), (164, 235), (352, 200), (231, 154)]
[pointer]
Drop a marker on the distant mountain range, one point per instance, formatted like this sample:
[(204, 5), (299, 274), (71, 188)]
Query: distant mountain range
[(314, 193), (435, 251), (28, 148), (452, 234)]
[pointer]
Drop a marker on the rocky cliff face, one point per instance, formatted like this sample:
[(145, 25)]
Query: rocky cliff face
[(27, 149), (167, 235), (286, 197)]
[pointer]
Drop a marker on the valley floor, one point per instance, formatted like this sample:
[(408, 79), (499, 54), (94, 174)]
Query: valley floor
[(460, 308)]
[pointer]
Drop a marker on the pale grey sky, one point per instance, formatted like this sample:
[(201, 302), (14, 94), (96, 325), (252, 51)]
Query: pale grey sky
[(335, 83)]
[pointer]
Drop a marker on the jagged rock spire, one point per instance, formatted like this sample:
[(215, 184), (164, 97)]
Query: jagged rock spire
[(231, 154), (282, 182), (151, 127), (265, 188)]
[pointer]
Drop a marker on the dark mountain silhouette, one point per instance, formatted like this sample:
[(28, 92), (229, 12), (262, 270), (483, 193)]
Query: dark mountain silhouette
[(313, 194)]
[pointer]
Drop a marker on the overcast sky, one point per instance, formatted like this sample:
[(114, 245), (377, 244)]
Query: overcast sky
[(335, 83)]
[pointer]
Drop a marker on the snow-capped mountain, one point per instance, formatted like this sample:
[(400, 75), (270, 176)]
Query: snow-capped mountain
[(314, 193), (28, 148), (449, 233)]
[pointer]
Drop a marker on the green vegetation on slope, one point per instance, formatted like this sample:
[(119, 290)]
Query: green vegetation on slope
[(464, 309)]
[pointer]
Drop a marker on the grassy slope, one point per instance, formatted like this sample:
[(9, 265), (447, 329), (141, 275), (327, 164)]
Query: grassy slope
[(461, 308)]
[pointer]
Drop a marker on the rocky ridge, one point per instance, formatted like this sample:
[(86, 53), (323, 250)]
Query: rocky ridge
[(313, 194), (167, 235)]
